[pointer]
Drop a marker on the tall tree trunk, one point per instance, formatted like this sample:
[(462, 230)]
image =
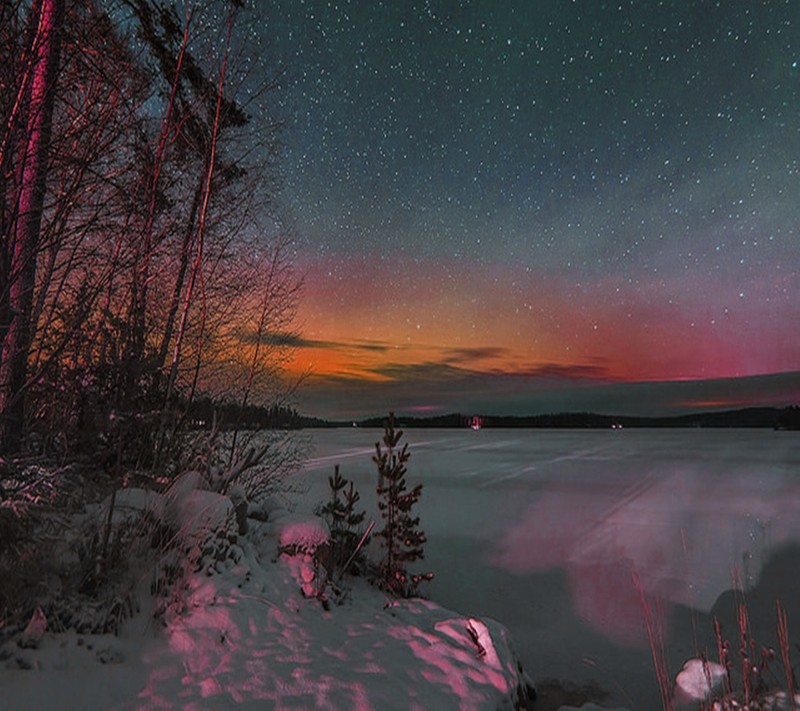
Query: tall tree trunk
[(48, 18), (141, 272), (183, 266), (196, 273)]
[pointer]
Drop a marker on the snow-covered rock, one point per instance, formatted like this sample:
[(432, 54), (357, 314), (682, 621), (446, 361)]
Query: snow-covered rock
[(200, 512), (303, 543), (697, 680), (302, 533)]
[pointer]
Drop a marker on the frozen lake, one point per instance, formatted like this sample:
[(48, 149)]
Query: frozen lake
[(561, 535)]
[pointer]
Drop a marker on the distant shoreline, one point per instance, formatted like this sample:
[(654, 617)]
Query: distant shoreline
[(787, 418), (207, 413)]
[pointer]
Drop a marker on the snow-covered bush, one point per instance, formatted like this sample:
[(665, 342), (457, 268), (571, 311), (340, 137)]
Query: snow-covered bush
[(68, 559), (205, 510), (258, 468), (87, 565), (30, 526), (194, 529)]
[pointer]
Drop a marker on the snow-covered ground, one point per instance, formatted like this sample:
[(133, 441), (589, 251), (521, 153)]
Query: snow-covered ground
[(249, 621), (568, 540), (568, 537)]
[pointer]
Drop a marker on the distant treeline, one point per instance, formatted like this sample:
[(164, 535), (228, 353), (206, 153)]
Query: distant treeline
[(787, 418), (205, 411)]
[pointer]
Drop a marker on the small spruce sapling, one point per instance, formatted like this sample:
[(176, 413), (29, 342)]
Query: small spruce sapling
[(403, 541), (344, 522)]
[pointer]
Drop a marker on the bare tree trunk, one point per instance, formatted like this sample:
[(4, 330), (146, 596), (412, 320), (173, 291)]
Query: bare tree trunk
[(199, 212), (195, 274), (16, 76), (183, 267), (49, 17), (141, 274)]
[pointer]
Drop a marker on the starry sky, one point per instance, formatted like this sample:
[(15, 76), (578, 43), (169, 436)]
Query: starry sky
[(542, 205)]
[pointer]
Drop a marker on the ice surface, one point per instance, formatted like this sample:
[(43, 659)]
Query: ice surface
[(543, 530)]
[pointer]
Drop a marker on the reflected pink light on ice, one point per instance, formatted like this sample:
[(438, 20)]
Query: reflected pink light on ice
[(680, 532), (600, 586)]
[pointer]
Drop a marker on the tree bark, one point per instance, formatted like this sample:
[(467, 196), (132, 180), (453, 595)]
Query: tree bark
[(48, 18)]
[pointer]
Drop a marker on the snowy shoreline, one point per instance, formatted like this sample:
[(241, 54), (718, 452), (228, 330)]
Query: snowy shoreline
[(250, 627), (249, 633), (541, 531)]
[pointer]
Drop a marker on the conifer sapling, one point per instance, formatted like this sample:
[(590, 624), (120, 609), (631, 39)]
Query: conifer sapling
[(344, 522), (403, 541)]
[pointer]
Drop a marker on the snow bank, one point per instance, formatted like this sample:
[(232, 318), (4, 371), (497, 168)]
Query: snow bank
[(247, 637)]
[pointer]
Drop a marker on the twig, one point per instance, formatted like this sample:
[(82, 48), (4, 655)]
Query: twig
[(358, 548)]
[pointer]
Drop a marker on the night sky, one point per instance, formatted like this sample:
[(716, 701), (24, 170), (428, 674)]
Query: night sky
[(538, 206)]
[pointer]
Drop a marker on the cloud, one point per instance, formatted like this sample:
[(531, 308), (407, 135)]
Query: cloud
[(420, 372), (465, 355), (565, 371), (290, 339), (372, 346), (454, 376), (280, 339), (449, 369)]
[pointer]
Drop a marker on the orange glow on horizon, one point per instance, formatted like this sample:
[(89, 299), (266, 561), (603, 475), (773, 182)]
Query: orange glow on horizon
[(363, 322)]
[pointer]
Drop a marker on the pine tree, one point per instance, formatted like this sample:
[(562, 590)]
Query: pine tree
[(344, 521), (403, 541)]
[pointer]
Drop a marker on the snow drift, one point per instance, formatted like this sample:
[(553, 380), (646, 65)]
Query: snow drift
[(252, 631)]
